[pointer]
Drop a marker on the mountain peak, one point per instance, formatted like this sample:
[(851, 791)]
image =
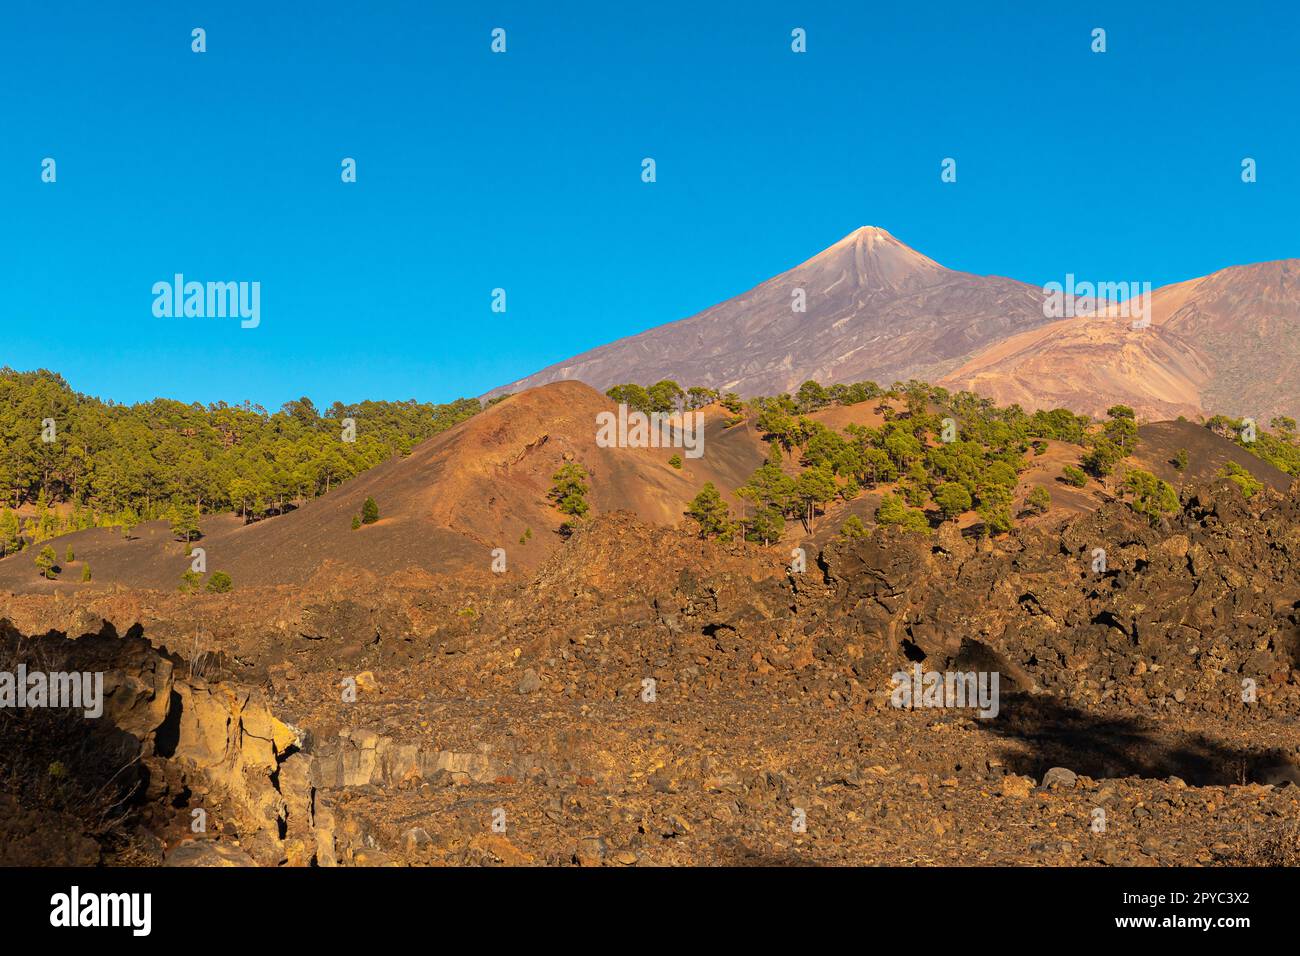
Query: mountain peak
[(870, 231), (877, 259), (867, 307), (869, 236)]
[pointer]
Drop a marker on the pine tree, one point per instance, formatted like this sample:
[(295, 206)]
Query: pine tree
[(767, 525), (1039, 500), (185, 523), (569, 489), (1243, 479), (853, 528), (814, 487), (893, 511), (1153, 497), (10, 540), (219, 582), (369, 512), (1074, 476), (128, 520), (710, 512), (952, 498), (45, 562), (995, 508)]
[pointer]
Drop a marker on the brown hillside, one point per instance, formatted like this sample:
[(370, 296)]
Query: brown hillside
[(1207, 453), (459, 495), (484, 483), (1226, 343), (1088, 364)]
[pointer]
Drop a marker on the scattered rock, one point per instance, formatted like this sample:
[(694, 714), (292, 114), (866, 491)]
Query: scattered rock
[(1060, 778), (590, 851), (207, 853), (530, 683), (415, 838)]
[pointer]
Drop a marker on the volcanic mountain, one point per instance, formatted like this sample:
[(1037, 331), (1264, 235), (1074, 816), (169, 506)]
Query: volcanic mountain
[(1226, 343), (875, 309)]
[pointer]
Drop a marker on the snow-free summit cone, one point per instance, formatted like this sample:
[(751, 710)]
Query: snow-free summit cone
[(867, 307), (876, 259)]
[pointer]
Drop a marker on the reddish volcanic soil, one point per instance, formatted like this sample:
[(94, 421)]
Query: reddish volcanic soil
[(478, 486), (483, 484)]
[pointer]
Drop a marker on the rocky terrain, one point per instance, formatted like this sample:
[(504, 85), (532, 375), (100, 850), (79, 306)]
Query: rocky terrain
[(644, 697)]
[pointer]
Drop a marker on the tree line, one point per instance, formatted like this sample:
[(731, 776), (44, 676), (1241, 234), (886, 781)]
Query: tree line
[(121, 464)]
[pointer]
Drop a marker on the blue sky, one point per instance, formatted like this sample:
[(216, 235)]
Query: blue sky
[(522, 170)]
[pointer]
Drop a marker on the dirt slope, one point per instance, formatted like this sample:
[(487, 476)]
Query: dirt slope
[(459, 495), (1088, 365), (1207, 453), (1226, 343)]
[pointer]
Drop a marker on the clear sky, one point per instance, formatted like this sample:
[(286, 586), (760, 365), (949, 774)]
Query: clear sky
[(523, 170)]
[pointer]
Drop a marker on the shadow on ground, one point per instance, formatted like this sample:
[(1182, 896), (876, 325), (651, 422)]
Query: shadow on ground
[(1103, 747)]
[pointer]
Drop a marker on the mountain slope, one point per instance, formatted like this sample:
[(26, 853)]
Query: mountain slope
[(480, 485), (1226, 343), (1207, 454), (1088, 364), (876, 309), (1247, 320)]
